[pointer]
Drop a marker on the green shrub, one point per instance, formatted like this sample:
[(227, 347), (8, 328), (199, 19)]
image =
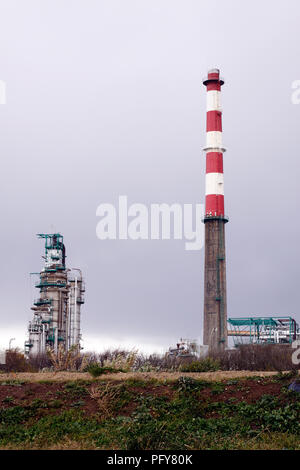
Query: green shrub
[(96, 370), (190, 384), (204, 365)]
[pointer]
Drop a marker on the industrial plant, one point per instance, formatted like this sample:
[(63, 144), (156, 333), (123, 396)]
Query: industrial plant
[(57, 309)]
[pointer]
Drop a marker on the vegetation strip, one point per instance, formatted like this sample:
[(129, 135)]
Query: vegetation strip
[(138, 413)]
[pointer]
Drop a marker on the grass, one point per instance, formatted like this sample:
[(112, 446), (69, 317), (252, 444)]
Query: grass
[(12, 382), (187, 414), (75, 389)]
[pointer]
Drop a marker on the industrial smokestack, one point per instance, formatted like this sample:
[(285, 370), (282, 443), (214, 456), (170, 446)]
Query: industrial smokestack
[(215, 304)]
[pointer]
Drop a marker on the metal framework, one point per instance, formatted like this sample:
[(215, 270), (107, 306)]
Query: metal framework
[(57, 313), (260, 330)]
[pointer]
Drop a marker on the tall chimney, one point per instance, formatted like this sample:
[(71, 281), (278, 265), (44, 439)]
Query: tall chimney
[(215, 304)]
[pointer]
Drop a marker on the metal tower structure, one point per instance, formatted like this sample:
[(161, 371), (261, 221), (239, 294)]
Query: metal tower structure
[(215, 304), (262, 330), (56, 318)]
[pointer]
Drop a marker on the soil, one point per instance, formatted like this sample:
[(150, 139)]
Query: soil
[(54, 397), (250, 392), (28, 393)]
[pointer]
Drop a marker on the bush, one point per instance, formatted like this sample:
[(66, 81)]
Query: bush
[(265, 357), (16, 362), (96, 370), (64, 360), (272, 357), (204, 365)]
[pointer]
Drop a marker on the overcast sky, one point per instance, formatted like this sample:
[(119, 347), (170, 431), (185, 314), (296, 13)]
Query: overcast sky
[(105, 98)]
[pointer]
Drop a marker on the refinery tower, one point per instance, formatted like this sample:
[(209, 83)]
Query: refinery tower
[(215, 305), (56, 319)]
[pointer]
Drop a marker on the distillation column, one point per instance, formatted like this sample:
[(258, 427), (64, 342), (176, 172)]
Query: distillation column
[(56, 321), (76, 299)]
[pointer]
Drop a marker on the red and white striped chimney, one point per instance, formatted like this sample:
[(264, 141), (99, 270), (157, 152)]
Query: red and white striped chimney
[(214, 184)]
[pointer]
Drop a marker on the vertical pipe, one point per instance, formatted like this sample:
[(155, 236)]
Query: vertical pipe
[(75, 311), (68, 322)]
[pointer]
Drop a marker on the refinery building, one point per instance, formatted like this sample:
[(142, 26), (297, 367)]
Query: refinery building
[(57, 308)]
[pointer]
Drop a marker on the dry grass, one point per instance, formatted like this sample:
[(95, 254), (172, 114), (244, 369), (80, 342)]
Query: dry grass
[(65, 444), (121, 361), (274, 441), (105, 396), (120, 376), (64, 360)]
